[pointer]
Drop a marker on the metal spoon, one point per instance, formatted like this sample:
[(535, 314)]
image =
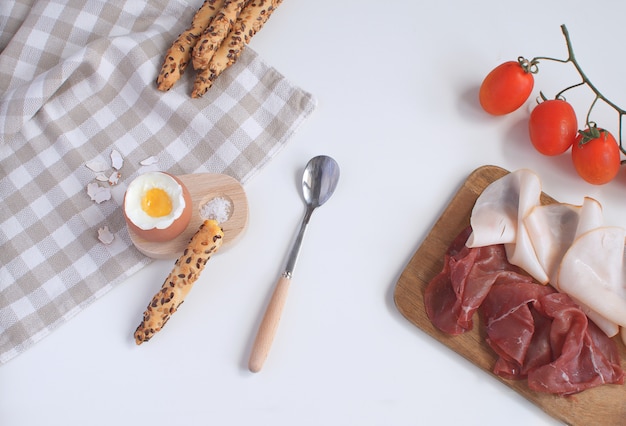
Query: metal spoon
[(318, 184)]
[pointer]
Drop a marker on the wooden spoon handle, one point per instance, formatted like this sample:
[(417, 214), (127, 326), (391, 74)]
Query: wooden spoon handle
[(269, 324)]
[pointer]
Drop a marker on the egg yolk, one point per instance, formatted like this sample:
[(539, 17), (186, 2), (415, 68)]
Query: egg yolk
[(156, 203)]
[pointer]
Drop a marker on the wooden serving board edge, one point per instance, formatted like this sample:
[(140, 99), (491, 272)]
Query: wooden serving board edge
[(604, 405)]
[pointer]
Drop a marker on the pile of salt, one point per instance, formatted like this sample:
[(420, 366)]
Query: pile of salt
[(218, 208)]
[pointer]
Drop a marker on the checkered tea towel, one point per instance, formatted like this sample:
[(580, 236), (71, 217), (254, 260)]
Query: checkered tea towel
[(77, 82)]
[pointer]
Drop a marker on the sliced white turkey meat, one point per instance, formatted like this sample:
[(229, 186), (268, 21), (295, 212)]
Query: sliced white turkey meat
[(552, 229), (497, 218), (592, 272), (497, 209), (590, 216)]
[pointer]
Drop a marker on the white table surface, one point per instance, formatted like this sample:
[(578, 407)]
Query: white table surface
[(396, 84)]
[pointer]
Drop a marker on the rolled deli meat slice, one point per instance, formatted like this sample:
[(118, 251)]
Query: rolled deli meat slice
[(495, 215), (498, 218), (592, 271)]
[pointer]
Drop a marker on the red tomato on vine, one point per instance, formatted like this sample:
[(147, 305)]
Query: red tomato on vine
[(553, 127), (507, 87), (596, 156)]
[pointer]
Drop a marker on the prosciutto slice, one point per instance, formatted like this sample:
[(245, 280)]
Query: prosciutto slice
[(515, 331), (537, 333), (454, 295), (543, 336)]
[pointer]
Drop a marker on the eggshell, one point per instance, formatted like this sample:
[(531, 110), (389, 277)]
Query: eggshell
[(171, 232)]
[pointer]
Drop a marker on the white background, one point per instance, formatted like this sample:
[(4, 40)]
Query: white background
[(396, 84)]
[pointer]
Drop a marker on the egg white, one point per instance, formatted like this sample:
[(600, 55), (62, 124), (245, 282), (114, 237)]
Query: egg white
[(136, 192)]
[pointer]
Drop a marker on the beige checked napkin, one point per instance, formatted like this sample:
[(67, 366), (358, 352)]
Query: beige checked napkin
[(77, 83)]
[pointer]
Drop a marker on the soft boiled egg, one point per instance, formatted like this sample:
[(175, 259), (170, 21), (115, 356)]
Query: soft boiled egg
[(157, 206)]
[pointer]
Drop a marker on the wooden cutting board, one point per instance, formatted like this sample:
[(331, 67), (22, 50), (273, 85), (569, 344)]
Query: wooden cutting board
[(605, 405)]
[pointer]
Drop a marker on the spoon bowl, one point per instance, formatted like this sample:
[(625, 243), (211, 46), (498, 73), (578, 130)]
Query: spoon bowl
[(319, 180)]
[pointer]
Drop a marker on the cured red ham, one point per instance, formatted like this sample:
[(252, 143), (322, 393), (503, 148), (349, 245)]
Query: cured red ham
[(454, 295), (515, 331), (544, 336), (538, 333)]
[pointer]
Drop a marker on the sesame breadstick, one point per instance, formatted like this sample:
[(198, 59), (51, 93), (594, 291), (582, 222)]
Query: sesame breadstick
[(179, 54), (215, 33), (249, 22), (206, 241)]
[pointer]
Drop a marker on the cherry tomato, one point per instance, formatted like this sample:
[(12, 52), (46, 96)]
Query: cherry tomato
[(596, 156), (506, 88), (553, 127)]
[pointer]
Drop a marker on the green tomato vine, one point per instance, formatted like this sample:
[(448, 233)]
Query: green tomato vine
[(532, 66)]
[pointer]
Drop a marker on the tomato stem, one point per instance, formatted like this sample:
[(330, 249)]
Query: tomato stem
[(585, 81), (560, 94)]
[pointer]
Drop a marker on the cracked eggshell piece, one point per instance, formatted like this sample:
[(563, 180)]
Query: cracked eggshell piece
[(162, 227), (105, 236), (98, 193), (149, 161), (116, 160), (114, 178), (96, 166)]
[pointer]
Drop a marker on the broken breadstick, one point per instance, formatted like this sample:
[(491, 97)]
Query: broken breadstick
[(206, 241), (179, 54), (249, 22), (215, 33)]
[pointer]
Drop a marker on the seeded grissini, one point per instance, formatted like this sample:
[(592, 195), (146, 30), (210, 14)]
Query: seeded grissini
[(179, 54), (205, 242), (215, 33), (250, 21)]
